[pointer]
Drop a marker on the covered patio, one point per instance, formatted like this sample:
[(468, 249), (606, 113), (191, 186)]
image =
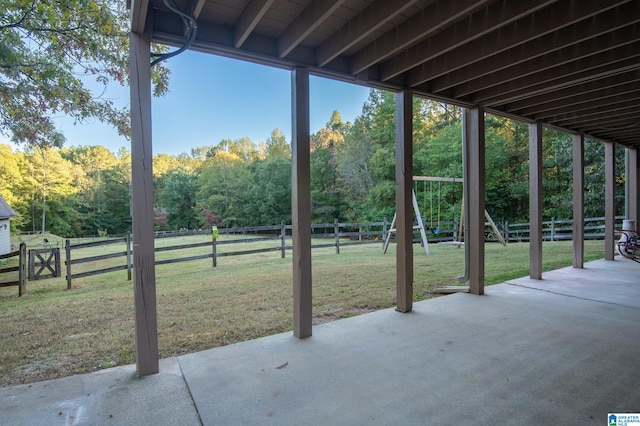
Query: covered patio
[(572, 66), (561, 350)]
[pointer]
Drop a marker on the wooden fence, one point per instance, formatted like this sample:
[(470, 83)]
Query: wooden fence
[(21, 282), (278, 238), (70, 261), (558, 230)]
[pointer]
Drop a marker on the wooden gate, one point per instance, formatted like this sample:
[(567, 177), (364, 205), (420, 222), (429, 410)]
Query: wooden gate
[(47, 260)]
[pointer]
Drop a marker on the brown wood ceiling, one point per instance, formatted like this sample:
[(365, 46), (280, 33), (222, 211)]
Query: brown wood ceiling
[(571, 64)]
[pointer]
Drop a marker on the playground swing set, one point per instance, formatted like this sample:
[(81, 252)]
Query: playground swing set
[(437, 230)]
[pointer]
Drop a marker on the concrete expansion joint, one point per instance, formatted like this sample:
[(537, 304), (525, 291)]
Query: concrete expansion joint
[(186, 384), (570, 295)]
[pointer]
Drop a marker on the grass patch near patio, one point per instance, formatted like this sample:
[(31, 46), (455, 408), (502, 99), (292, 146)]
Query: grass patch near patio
[(54, 332)]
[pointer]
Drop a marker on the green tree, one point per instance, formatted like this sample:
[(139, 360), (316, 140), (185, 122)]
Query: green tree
[(12, 184), (244, 148), (276, 146), (354, 168), (379, 112), (51, 179), (326, 203), (178, 199), (269, 201), (507, 169), (111, 211), (224, 182), (45, 48)]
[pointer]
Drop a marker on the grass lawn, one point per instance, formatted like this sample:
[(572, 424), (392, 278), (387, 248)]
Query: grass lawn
[(53, 332)]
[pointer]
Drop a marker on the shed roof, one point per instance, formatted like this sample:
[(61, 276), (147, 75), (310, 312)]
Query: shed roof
[(572, 65), (5, 209)]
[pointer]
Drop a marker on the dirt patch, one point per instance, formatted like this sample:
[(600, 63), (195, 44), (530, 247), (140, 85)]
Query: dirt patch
[(336, 313)]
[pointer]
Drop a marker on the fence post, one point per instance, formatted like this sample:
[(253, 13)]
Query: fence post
[(506, 231), (214, 245), (129, 256), (67, 250), (336, 231), (553, 228), (283, 236), (22, 270)]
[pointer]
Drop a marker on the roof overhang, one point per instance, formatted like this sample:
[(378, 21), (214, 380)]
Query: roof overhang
[(572, 65)]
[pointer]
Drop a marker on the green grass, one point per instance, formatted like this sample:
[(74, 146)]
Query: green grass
[(53, 332)]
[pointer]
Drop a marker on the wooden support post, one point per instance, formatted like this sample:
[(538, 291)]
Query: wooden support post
[(609, 200), (22, 270), (632, 186), (535, 201), (578, 201), (144, 283), (301, 203), (336, 233), (475, 198), (404, 201)]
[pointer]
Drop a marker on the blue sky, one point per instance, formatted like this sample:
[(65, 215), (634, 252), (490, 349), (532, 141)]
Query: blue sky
[(213, 98)]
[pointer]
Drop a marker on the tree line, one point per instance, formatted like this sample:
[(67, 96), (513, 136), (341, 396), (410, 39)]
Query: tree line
[(85, 190)]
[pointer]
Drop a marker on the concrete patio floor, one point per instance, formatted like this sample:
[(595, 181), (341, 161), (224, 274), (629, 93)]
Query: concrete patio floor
[(563, 350)]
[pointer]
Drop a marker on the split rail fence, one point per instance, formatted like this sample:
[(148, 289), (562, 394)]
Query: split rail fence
[(262, 239), (21, 268)]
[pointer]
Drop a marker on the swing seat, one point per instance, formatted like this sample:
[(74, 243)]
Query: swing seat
[(434, 231)]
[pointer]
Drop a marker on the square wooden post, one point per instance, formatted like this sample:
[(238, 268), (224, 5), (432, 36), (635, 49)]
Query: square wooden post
[(301, 203), (535, 201), (609, 200), (22, 270), (578, 201), (404, 201), (474, 140), (632, 186), (144, 281)]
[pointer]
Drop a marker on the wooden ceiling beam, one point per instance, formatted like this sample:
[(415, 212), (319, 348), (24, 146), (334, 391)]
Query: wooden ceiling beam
[(629, 127), (609, 118), (573, 60), (368, 21), (567, 94), (435, 16), (608, 109), (623, 26), (460, 34), (310, 19), (250, 17), (626, 133), (613, 101), (556, 79), (585, 100)]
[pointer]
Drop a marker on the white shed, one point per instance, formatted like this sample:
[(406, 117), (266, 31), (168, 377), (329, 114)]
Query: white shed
[(6, 212)]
